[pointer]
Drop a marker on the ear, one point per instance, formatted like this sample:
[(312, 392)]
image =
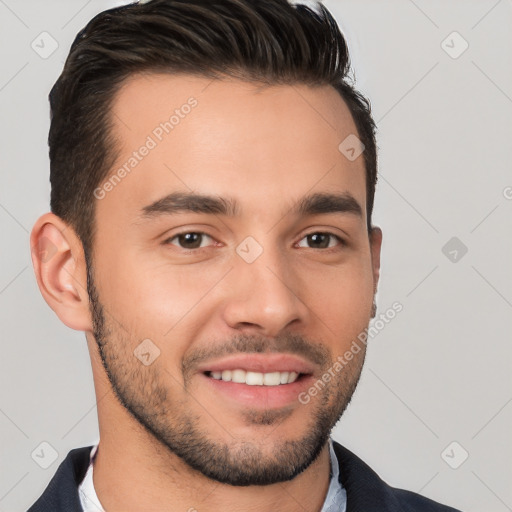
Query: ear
[(375, 247), (59, 265)]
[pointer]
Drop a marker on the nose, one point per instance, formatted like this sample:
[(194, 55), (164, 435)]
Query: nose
[(263, 296)]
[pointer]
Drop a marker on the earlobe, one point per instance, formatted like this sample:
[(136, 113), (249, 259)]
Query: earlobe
[(59, 266)]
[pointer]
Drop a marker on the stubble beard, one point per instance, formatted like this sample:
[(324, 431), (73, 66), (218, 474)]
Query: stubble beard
[(141, 391)]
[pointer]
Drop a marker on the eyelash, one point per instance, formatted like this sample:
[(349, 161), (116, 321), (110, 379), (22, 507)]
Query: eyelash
[(342, 242)]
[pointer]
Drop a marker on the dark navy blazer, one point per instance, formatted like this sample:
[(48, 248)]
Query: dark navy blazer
[(366, 492)]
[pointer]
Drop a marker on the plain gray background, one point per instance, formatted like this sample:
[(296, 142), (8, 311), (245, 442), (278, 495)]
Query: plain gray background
[(437, 385)]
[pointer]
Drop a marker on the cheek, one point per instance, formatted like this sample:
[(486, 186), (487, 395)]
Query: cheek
[(341, 298), (156, 300), (153, 296)]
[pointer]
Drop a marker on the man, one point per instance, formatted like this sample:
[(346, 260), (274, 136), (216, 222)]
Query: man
[(212, 182)]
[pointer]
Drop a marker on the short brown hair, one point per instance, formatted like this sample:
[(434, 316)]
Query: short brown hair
[(266, 41)]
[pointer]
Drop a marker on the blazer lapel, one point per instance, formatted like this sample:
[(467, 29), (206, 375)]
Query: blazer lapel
[(62, 491), (366, 491)]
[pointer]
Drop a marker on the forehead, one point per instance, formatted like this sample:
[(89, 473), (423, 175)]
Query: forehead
[(184, 132)]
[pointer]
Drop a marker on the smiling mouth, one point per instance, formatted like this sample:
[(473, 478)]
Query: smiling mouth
[(240, 376)]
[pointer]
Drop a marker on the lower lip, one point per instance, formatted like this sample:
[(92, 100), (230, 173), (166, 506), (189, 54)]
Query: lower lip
[(264, 397)]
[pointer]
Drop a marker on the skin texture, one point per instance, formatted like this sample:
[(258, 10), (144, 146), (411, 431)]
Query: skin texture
[(169, 440)]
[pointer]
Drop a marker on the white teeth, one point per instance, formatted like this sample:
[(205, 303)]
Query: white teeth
[(272, 379), (238, 376), (292, 377), (255, 378)]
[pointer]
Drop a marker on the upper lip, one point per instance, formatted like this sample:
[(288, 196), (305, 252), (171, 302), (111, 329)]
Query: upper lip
[(261, 363)]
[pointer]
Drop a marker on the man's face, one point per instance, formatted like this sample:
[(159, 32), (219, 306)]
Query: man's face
[(187, 292)]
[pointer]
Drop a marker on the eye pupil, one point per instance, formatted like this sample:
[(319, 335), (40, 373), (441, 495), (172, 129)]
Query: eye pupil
[(317, 237), (191, 240)]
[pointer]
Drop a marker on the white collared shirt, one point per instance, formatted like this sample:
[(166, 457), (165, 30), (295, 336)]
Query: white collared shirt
[(335, 501)]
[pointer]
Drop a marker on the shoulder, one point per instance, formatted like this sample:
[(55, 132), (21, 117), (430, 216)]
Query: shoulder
[(61, 494), (367, 492)]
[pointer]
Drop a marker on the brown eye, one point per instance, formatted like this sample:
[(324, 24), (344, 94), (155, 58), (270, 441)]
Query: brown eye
[(189, 240), (321, 240)]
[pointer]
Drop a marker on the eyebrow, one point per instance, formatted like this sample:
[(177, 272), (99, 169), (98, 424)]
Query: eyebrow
[(313, 204)]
